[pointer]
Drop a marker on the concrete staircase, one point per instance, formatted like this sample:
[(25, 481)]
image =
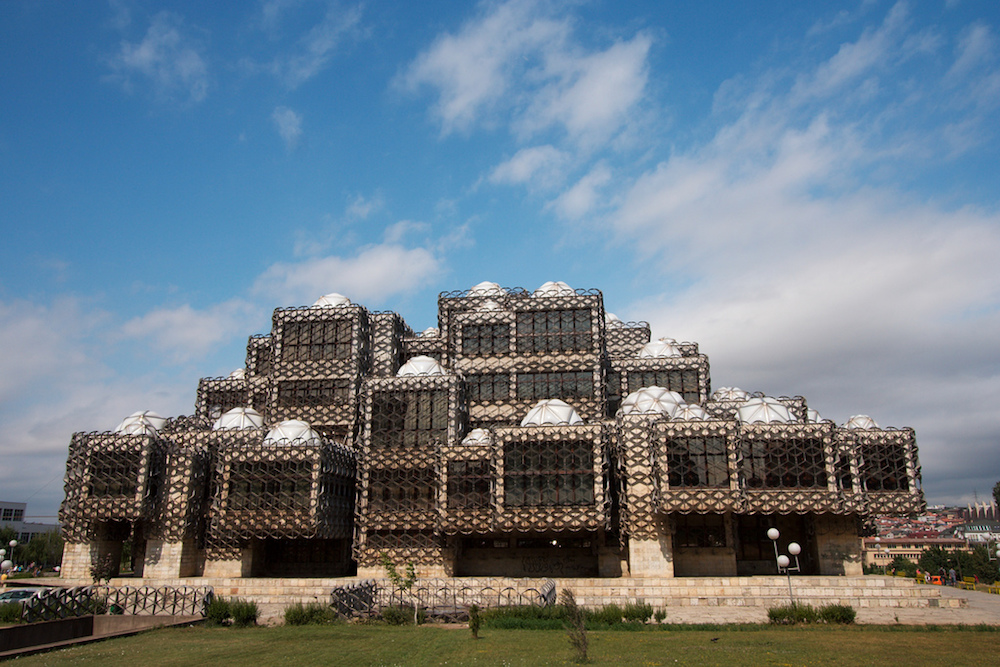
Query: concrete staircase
[(761, 591)]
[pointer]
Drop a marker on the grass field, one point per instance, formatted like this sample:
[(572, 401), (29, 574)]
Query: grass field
[(382, 645)]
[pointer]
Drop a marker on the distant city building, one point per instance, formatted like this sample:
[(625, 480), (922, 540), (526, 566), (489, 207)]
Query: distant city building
[(12, 516), (882, 551), (530, 433), (982, 512)]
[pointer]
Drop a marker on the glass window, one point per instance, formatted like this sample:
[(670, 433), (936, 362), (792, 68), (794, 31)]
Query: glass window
[(316, 341), (312, 393), (570, 384), (114, 473), (489, 387), (409, 418), (270, 485), (699, 530), (684, 382), (697, 462), (884, 468), (469, 484), (486, 339), (791, 463), (543, 332), (549, 473)]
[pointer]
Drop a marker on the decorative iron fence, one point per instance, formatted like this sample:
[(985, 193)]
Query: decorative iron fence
[(60, 603), (443, 599)]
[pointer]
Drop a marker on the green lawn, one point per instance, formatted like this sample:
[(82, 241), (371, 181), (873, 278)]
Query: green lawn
[(428, 645)]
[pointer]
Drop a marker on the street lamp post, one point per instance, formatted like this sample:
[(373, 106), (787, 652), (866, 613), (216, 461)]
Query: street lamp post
[(12, 544), (783, 562)]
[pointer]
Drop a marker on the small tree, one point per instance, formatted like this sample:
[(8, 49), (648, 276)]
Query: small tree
[(103, 569), (996, 493), (475, 620), (404, 584), (576, 625)]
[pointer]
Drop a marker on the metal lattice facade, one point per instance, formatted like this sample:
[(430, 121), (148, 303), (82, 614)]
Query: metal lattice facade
[(436, 467)]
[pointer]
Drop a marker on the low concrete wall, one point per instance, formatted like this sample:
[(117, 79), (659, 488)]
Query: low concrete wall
[(46, 632)]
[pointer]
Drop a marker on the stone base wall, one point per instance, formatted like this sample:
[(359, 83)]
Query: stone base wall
[(838, 545), (651, 558), (171, 559), (76, 562)]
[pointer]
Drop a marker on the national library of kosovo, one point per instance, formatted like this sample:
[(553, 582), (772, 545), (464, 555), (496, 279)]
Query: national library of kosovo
[(528, 434)]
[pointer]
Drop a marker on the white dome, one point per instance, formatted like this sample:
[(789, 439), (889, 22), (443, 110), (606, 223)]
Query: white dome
[(690, 412), (478, 436), (489, 304), (238, 374), (430, 332), (860, 421), (650, 400), (659, 349), (729, 394), (239, 418), (421, 365), (611, 320), (813, 416), (292, 432), (765, 410), (144, 422), (486, 288), (551, 412), (554, 288), (332, 300)]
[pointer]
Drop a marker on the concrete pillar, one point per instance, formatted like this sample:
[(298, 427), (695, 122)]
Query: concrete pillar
[(167, 560), (838, 545)]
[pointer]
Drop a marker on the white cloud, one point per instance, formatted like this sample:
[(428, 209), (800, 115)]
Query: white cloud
[(802, 273), (374, 274), (581, 199), (537, 165), (54, 380), (316, 48), (289, 126), (184, 333), (361, 207), (171, 60), (590, 96), (517, 63)]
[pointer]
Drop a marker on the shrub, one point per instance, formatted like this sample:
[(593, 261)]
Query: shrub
[(394, 615), (837, 613), (218, 611), (609, 614), (475, 621), (660, 615), (313, 613), (793, 613), (244, 612), (637, 611), (525, 617), (10, 612), (803, 613)]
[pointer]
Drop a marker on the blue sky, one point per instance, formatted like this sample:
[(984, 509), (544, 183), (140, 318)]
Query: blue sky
[(810, 193)]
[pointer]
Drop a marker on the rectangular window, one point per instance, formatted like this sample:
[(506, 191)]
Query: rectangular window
[(312, 393), (784, 464), (114, 473), (316, 341), (549, 473), (409, 418), (402, 489), (884, 468), (547, 331), (270, 485), (8, 515), (684, 382), (469, 484), (699, 530), (697, 462), (489, 387), (570, 384), (486, 340)]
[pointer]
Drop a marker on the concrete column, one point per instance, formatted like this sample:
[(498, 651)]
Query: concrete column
[(838, 545)]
